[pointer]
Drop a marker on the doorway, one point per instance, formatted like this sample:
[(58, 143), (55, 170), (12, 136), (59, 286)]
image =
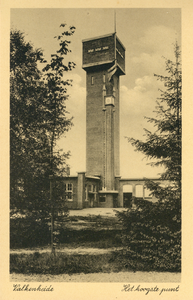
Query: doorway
[(127, 199), (127, 195), (91, 200)]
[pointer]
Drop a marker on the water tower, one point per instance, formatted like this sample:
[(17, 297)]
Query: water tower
[(104, 63)]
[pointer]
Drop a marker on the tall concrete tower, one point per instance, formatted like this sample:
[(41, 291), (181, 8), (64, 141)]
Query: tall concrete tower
[(104, 63)]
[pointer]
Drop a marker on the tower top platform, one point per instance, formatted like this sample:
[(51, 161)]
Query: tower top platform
[(103, 51)]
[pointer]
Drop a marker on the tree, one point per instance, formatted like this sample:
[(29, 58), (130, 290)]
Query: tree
[(164, 144), (38, 117), (28, 143), (152, 231), (58, 123)]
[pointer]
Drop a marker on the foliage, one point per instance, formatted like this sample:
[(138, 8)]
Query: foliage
[(164, 145), (151, 237), (152, 231), (38, 117), (29, 232), (27, 141), (57, 122)]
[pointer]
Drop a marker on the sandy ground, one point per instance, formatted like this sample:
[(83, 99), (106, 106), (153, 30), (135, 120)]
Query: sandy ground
[(100, 277), (108, 212)]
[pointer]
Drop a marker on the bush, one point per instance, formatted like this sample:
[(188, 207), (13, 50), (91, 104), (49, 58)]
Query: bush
[(151, 237), (28, 232)]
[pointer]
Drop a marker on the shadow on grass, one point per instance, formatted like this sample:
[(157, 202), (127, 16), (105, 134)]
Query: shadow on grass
[(60, 263)]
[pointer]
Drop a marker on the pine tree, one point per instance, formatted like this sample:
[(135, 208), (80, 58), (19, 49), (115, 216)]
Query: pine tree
[(164, 145), (152, 231)]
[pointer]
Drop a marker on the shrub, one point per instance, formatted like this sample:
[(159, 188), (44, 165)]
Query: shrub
[(28, 232), (151, 237)]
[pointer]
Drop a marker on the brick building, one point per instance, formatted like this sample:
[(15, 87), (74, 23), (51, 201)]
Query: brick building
[(101, 185)]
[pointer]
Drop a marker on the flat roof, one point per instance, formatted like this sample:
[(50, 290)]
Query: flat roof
[(141, 179), (97, 37)]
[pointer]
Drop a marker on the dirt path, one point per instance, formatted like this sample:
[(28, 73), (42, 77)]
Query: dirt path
[(100, 277), (69, 251)]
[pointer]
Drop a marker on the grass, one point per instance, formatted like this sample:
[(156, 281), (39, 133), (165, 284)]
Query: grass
[(101, 244), (60, 263)]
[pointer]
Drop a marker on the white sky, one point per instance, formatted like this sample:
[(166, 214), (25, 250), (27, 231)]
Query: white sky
[(147, 34)]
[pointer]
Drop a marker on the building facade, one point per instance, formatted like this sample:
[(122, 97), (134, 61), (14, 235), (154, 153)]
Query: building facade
[(84, 191)]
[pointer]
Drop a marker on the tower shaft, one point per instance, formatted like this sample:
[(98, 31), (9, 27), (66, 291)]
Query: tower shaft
[(102, 125)]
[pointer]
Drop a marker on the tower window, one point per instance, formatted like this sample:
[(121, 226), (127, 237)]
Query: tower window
[(103, 78), (92, 80)]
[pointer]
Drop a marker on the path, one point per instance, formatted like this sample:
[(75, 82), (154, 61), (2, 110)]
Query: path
[(107, 212), (68, 251)]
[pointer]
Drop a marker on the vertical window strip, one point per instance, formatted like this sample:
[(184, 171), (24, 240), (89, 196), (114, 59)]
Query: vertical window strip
[(68, 190)]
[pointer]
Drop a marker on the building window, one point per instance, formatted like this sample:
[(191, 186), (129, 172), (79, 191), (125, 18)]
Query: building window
[(128, 188), (139, 191), (92, 80), (68, 187), (90, 188), (103, 78)]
